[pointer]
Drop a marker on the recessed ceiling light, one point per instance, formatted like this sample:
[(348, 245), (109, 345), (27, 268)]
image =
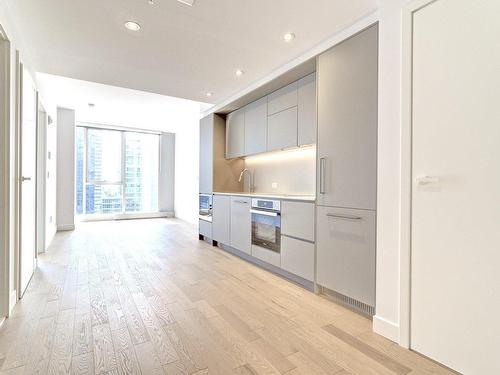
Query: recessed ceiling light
[(151, 2), (187, 2), (132, 26), (288, 37), (209, 94), (239, 72)]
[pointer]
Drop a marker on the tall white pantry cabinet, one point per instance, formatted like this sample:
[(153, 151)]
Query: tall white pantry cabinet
[(347, 167)]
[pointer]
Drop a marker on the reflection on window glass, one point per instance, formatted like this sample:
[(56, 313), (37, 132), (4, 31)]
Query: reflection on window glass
[(103, 199), (100, 186), (141, 172), (104, 155)]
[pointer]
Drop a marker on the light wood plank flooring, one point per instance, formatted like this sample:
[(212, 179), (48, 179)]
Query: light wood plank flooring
[(146, 296)]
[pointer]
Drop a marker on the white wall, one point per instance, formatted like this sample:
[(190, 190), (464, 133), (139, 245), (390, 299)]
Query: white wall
[(141, 110), (65, 169), (294, 171)]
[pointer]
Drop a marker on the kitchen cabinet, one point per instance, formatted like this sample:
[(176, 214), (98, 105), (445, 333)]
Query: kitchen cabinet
[(306, 105), (297, 220), (282, 129), (282, 99), (347, 123), (205, 228), (241, 224), (297, 257), (221, 219), (345, 246), (256, 127), (235, 137), (266, 255)]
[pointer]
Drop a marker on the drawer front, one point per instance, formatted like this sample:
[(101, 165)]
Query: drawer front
[(297, 219), (297, 257), (282, 130), (266, 255), (205, 228), (282, 99), (345, 246)]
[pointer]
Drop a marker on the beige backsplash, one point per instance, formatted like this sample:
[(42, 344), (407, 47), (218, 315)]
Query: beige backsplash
[(294, 171)]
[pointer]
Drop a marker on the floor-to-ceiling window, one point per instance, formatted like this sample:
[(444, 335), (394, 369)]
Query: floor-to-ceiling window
[(116, 171)]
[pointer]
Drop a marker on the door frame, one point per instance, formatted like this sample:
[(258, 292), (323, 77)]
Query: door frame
[(41, 175), (5, 175), (406, 169)]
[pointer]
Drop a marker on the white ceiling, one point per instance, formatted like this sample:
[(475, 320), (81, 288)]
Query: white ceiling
[(180, 51)]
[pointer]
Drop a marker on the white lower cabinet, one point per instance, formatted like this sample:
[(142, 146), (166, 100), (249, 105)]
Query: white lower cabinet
[(345, 245), (221, 219), (205, 228), (241, 224), (297, 257)]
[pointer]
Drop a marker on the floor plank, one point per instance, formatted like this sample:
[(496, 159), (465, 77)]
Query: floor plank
[(147, 297)]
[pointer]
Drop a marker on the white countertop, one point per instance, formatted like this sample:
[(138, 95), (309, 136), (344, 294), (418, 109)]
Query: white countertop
[(286, 197)]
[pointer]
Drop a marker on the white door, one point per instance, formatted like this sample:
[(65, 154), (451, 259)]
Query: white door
[(27, 257), (455, 294)]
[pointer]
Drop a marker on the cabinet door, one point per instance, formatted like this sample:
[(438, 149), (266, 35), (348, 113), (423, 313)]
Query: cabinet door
[(297, 257), (221, 219), (306, 104), (241, 224), (345, 246), (205, 228), (282, 99), (347, 123), (256, 127), (235, 134), (206, 155), (297, 219), (282, 129)]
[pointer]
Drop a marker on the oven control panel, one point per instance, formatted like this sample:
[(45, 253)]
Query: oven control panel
[(266, 204)]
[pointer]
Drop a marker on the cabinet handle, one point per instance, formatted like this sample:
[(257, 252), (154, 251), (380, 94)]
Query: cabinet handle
[(322, 165), (346, 217), (242, 202)]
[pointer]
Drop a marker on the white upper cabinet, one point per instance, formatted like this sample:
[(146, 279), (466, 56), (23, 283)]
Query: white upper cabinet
[(306, 105), (256, 127), (235, 134), (284, 119), (282, 129), (347, 123), (282, 99)]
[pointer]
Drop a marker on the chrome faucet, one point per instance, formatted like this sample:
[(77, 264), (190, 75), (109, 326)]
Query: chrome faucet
[(250, 179)]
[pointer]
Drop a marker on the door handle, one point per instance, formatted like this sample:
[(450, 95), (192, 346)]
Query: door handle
[(346, 217), (25, 178), (426, 180), (322, 165)]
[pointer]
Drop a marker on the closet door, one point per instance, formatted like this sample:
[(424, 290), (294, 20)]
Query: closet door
[(455, 295)]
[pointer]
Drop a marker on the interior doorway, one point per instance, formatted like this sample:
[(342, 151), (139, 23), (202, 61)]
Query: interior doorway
[(455, 186), (4, 173), (27, 179)]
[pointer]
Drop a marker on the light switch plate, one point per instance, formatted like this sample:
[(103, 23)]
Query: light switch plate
[(274, 185)]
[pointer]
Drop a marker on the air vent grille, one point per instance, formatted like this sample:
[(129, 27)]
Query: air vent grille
[(352, 303)]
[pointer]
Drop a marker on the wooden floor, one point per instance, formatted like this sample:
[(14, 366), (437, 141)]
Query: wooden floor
[(147, 297)]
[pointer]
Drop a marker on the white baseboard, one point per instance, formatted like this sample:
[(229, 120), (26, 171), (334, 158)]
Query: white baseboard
[(65, 227), (383, 327)]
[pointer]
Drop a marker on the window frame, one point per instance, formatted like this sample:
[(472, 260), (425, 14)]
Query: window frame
[(122, 182)]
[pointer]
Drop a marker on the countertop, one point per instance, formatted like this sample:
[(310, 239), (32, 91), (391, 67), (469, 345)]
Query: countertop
[(286, 197)]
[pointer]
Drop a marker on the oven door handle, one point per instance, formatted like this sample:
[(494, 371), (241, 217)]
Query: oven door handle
[(259, 212)]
